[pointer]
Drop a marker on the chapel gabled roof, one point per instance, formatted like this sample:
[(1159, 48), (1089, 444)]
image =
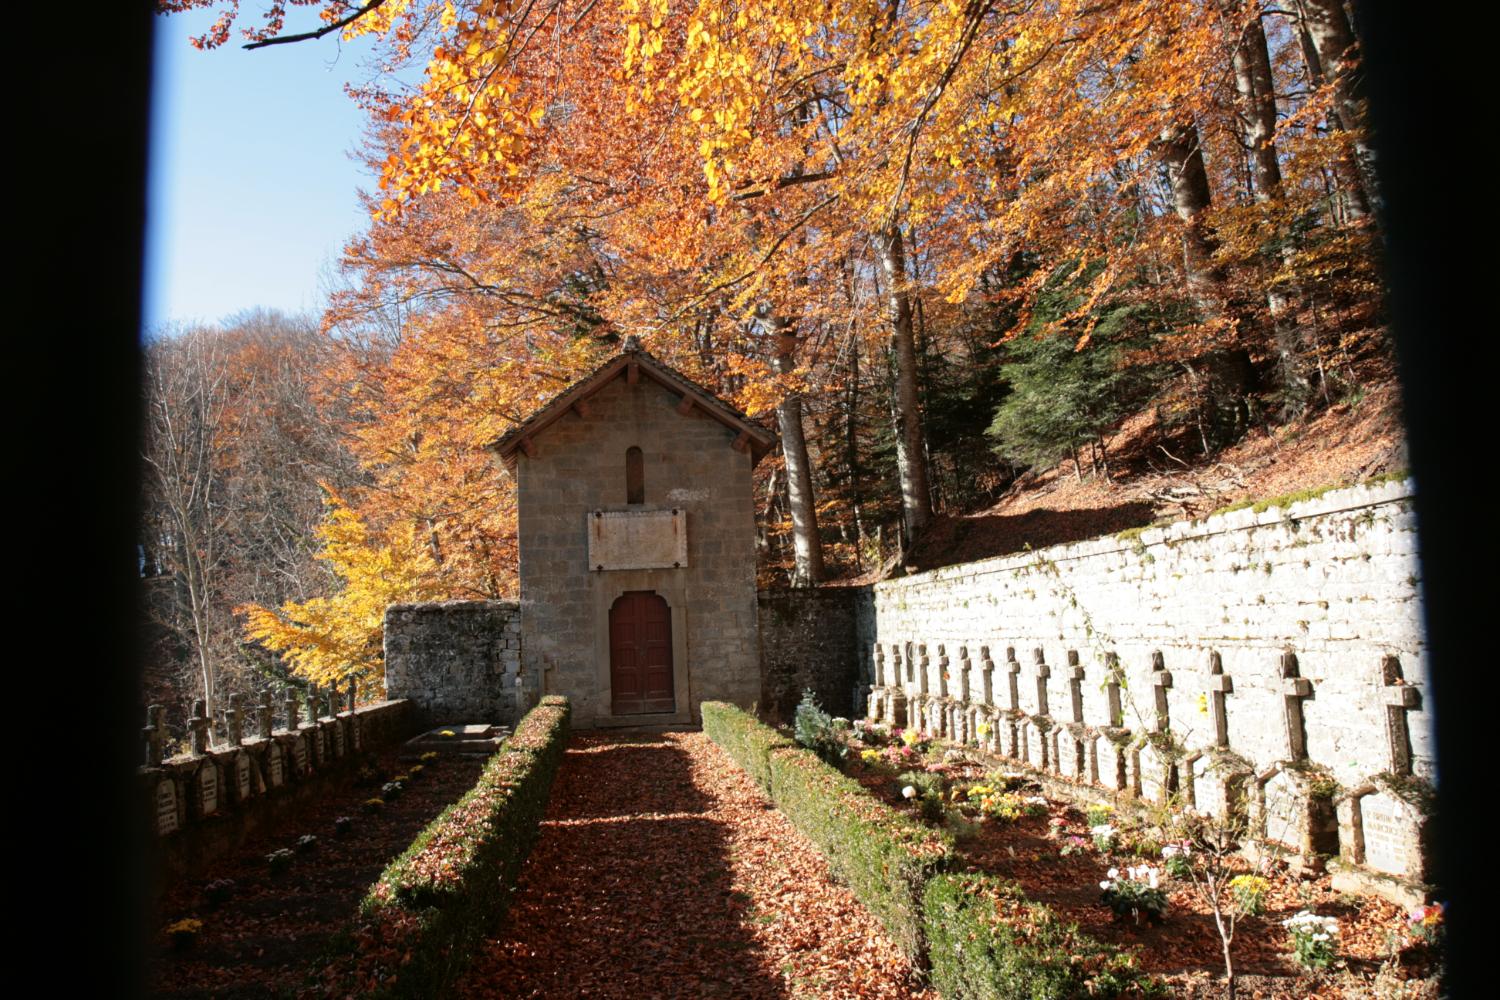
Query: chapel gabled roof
[(632, 363)]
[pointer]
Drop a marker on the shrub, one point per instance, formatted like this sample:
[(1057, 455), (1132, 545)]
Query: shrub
[(418, 924), (988, 942), (815, 730), (883, 856), (742, 737)]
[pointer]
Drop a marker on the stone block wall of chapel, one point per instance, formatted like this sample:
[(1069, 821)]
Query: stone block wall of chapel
[(689, 464)]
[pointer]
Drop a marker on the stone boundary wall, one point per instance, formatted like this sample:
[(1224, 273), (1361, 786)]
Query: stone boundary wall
[(204, 805), (456, 661), (808, 639), (1266, 663)]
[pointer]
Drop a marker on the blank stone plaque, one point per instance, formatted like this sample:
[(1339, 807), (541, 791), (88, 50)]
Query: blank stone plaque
[(637, 539)]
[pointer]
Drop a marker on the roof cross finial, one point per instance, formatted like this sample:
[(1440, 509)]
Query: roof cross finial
[(632, 343)]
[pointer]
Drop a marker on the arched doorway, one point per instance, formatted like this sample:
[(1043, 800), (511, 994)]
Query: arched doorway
[(640, 654)]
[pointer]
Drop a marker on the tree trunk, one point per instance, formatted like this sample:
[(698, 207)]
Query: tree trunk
[(1328, 46), (1229, 370), (1255, 87), (807, 545), (911, 456)]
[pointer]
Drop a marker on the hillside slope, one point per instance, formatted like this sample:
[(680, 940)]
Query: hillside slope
[(1154, 481)]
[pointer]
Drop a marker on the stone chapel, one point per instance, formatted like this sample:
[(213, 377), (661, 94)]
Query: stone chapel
[(637, 545)]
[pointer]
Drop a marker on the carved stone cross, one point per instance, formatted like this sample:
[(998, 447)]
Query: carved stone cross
[(1399, 698), (880, 678), (963, 673), (1013, 668), (1161, 680), (291, 707), (234, 720), (199, 724), (922, 668), (1075, 684), (896, 677), (942, 671), (266, 715), (987, 672), (353, 690), (312, 704), (1294, 687), (155, 734), (1042, 673), (1112, 677), (1219, 684)]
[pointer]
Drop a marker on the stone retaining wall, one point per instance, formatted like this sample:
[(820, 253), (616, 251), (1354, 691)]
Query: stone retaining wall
[(204, 805), (1270, 662)]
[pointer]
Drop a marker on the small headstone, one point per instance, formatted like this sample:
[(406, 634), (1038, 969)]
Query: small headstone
[(166, 807), (338, 738), (242, 775), (274, 765), (208, 789), (299, 753), (356, 728), (1392, 831)]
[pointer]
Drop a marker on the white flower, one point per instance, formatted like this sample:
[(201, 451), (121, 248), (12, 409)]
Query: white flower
[(1151, 877), (1105, 885), (1113, 873), (1102, 830), (909, 792)]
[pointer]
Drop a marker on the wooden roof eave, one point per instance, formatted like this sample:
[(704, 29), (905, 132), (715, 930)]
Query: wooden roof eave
[(761, 441)]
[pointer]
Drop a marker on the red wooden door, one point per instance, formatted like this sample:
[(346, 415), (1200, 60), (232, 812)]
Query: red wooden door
[(640, 654)]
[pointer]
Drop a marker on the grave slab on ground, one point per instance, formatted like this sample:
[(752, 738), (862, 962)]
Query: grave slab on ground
[(468, 739)]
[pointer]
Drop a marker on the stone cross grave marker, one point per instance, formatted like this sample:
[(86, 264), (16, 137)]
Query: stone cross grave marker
[(896, 664), (1017, 746), (1113, 676), (964, 666), (881, 680), (166, 807), (234, 721), (156, 735), (290, 704), (987, 674), (266, 715), (1075, 685), (942, 671), (1399, 698), (199, 725), (1219, 684), (923, 665), (1161, 681), (312, 704), (1294, 688), (1042, 673)]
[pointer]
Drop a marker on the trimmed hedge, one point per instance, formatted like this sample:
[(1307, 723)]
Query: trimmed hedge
[(986, 941), (883, 856), (418, 923), (744, 738)]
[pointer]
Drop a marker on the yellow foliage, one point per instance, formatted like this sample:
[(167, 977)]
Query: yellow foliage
[(333, 639)]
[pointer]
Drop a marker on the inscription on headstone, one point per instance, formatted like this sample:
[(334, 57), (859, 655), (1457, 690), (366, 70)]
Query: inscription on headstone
[(299, 753), (166, 807), (274, 765), (208, 789), (1387, 831), (242, 775)]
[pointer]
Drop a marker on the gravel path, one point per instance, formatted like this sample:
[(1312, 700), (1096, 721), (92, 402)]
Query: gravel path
[(662, 871)]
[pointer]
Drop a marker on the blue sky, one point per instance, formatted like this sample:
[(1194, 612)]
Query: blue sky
[(253, 191)]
